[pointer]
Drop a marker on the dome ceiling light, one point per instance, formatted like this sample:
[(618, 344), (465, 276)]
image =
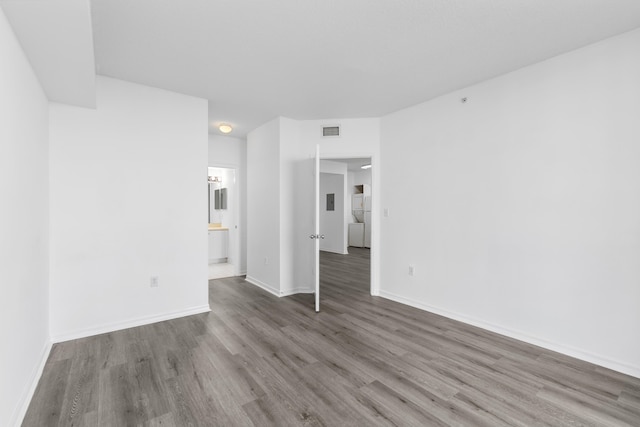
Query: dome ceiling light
[(225, 128)]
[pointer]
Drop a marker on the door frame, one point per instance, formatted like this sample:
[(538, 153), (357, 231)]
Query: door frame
[(237, 205), (316, 240), (374, 273)]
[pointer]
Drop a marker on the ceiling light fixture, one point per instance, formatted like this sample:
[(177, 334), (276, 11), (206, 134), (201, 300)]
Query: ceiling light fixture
[(365, 166), (225, 128)]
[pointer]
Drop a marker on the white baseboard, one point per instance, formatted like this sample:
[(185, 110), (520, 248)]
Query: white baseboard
[(27, 395), (587, 356), (335, 251), (131, 323), (277, 292), (298, 290), (263, 285)]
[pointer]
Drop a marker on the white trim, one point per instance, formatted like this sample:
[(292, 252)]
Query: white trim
[(131, 323), (587, 356), (278, 292), (23, 404), (263, 285), (236, 257), (224, 165), (298, 290), (376, 191), (335, 251)]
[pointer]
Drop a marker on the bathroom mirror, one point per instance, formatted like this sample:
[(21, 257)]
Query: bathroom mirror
[(223, 198), (216, 199), (220, 199)]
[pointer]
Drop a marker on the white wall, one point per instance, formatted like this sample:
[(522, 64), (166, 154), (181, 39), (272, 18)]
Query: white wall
[(24, 227), (359, 178), (519, 209), (263, 206), (358, 138), (226, 151), (231, 152), (297, 203), (280, 170), (116, 221), (332, 223), (336, 239)]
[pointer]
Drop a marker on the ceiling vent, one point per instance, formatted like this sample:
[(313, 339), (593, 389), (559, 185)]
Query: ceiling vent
[(330, 130)]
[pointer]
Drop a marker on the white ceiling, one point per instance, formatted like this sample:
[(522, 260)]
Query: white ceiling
[(254, 59), (56, 36), (354, 164)]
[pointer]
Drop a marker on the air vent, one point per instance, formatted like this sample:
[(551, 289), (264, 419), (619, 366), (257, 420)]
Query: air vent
[(331, 131)]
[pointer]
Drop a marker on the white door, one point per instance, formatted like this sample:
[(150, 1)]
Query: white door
[(316, 233)]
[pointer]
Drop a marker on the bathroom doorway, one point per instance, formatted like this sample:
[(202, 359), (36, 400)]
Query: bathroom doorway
[(223, 216)]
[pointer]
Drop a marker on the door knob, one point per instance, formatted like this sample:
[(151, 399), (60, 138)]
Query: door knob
[(322, 236), (313, 236)]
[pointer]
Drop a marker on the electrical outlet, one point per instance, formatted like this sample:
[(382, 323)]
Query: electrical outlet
[(154, 281), (411, 270), (386, 212), (266, 260)]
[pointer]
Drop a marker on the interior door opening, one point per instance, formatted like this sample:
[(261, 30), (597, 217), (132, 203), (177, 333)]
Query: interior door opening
[(223, 216), (345, 219)]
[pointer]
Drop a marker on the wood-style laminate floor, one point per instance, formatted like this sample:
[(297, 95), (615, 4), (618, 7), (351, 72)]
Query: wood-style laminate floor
[(266, 361)]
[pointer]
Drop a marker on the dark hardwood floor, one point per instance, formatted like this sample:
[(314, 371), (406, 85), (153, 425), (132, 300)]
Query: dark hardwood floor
[(266, 361)]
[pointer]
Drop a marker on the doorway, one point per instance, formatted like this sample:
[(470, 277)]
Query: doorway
[(345, 222), (223, 217)]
